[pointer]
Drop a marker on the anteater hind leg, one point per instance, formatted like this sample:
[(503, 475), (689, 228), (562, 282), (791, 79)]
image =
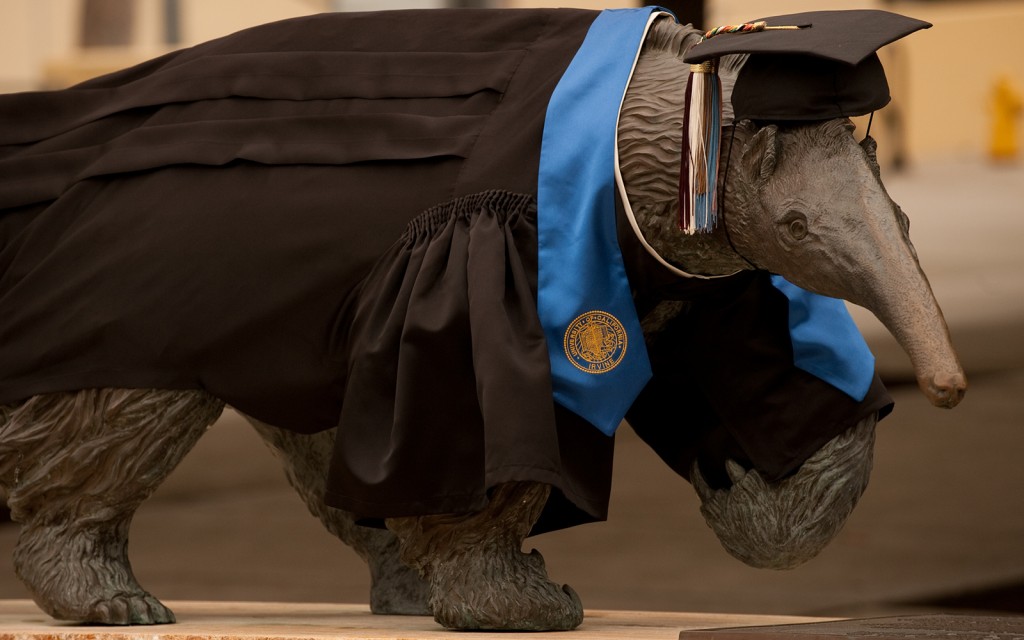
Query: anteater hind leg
[(394, 587), (479, 577), (77, 466)]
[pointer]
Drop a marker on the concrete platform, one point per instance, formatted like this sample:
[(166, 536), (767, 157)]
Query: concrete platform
[(22, 620), (920, 627)]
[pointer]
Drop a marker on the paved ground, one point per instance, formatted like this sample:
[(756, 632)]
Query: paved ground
[(940, 528)]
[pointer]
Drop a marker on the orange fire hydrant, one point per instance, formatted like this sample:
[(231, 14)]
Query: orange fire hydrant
[(1006, 110)]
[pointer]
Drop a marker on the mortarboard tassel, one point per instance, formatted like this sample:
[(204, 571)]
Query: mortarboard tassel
[(702, 127), (702, 131)]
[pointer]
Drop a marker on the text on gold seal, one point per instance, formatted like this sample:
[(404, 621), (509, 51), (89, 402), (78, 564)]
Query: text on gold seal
[(595, 342)]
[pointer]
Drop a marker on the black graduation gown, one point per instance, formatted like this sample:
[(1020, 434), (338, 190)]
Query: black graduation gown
[(323, 221)]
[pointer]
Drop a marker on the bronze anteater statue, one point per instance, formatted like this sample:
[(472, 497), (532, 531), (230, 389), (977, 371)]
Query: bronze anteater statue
[(336, 225)]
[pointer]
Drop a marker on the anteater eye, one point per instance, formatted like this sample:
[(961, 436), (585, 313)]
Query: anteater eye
[(798, 229), (795, 224)]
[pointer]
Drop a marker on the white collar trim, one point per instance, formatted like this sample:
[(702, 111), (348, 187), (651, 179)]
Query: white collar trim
[(620, 185)]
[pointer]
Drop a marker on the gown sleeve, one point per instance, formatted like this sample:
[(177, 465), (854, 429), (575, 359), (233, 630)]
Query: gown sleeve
[(448, 388)]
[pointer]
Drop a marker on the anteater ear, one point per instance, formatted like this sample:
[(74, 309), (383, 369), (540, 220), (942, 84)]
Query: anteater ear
[(871, 149), (760, 154)]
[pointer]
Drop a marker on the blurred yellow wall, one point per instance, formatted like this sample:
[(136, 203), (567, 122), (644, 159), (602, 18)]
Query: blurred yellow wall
[(951, 70), (941, 95), (32, 31), (207, 19)]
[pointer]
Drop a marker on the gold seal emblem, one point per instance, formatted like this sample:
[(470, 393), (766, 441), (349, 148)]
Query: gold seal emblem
[(595, 342)]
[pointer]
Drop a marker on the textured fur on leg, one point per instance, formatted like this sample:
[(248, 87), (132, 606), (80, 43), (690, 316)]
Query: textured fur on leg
[(395, 588), (783, 524), (479, 577), (76, 466)]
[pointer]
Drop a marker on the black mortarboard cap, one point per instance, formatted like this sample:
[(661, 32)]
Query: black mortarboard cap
[(826, 68), (801, 66)]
